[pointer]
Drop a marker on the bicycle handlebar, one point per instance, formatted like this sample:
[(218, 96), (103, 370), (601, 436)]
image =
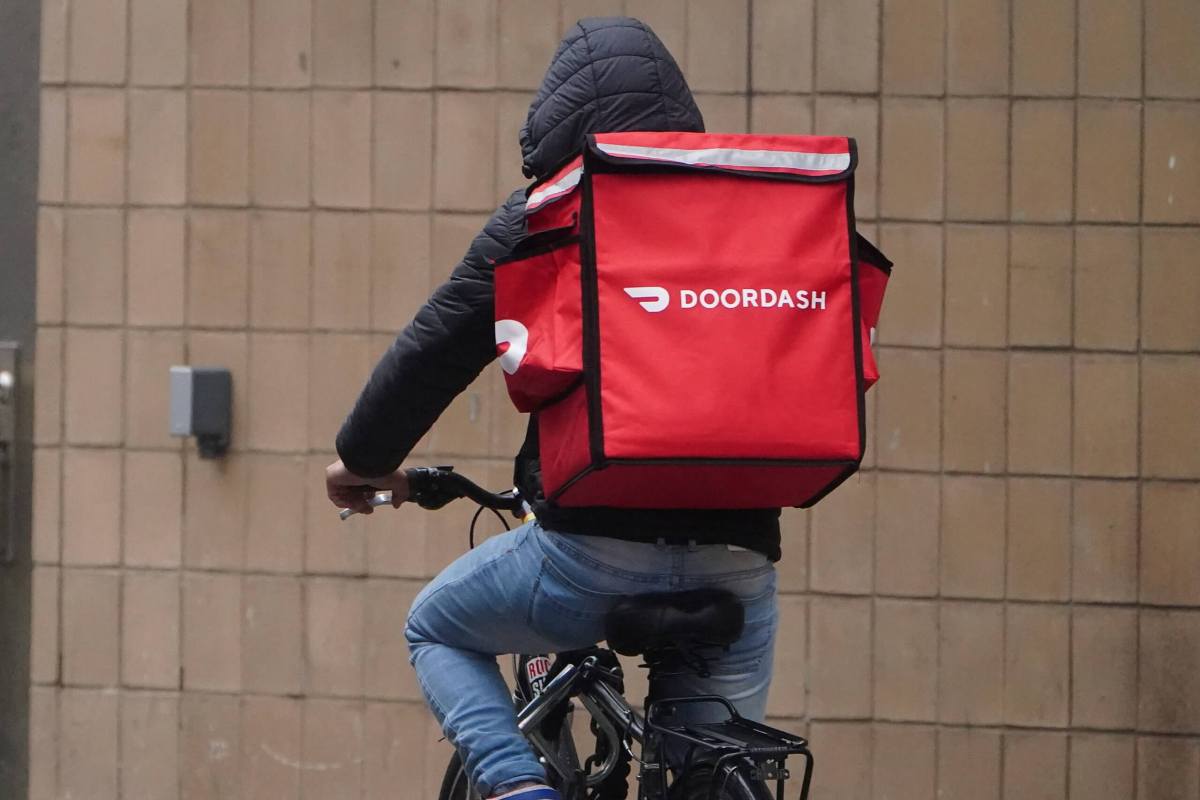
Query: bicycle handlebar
[(433, 487)]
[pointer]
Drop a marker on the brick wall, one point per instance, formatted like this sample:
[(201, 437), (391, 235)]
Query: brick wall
[(1005, 605)]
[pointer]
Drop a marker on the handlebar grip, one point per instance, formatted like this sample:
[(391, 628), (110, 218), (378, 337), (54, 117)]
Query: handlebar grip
[(434, 487)]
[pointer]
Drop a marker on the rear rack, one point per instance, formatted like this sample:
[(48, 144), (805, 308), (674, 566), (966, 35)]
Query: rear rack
[(735, 738)]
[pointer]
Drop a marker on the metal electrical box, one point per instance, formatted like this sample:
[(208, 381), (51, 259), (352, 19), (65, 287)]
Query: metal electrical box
[(201, 406)]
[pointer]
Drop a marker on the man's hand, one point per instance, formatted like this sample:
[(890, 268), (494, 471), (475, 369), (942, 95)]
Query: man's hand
[(347, 490)]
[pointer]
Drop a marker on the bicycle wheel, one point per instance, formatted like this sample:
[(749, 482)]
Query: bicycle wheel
[(454, 782), (737, 783)]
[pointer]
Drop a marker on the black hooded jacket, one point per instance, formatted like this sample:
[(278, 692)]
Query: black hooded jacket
[(610, 74)]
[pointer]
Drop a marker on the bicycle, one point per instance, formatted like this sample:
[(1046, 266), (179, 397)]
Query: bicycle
[(732, 759)]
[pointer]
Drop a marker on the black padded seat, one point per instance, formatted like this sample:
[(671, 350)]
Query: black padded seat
[(644, 622)]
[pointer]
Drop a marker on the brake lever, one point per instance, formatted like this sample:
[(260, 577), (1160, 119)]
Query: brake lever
[(426, 490), (379, 499)]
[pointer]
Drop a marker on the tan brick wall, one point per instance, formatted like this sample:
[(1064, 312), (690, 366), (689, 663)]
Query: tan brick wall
[(1005, 605)]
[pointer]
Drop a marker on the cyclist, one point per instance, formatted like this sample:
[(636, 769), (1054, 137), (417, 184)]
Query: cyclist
[(547, 585)]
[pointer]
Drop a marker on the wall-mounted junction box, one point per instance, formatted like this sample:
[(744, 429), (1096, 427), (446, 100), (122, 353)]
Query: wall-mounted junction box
[(201, 406)]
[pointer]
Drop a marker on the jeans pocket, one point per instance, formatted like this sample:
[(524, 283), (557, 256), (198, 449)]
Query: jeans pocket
[(564, 612), (745, 656), (749, 586), (556, 589)]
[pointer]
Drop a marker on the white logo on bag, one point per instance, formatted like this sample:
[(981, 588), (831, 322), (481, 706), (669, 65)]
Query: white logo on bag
[(658, 293), (512, 339), (801, 299)]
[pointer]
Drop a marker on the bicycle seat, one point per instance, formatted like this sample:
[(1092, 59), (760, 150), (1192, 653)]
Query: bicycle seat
[(644, 622)]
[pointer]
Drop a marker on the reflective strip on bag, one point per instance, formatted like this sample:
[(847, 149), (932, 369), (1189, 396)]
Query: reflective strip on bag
[(789, 160), (563, 185)]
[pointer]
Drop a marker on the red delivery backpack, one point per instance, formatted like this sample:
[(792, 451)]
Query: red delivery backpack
[(690, 316)]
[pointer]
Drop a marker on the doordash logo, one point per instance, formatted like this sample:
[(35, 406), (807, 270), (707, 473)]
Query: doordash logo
[(653, 298), (512, 342), (656, 298)]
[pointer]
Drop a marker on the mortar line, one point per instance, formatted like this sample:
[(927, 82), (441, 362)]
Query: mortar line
[(937, 655), (880, 156), (1073, 431), (65, 191), (1141, 459), (1004, 639), (186, 320), (122, 472), (449, 211), (516, 88)]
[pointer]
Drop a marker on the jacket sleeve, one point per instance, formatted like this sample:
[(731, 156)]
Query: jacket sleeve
[(434, 358)]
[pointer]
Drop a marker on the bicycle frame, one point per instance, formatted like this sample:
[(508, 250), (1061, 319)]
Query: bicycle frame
[(724, 744), (736, 748)]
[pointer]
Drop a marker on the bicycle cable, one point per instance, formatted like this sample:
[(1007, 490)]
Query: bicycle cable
[(475, 519), (627, 741)]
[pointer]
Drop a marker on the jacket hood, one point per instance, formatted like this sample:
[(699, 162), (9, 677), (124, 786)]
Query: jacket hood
[(608, 74)]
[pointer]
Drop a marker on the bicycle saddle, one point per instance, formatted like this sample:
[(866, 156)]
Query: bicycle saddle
[(644, 622)]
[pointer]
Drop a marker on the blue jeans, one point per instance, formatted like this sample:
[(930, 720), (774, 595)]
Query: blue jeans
[(537, 591)]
